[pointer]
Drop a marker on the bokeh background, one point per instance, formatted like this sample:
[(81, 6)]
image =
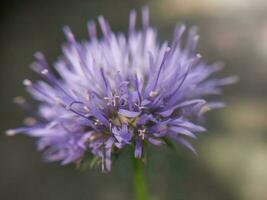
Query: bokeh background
[(232, 162)]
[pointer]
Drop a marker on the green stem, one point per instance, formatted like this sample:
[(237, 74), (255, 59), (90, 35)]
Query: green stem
[(139, 180)]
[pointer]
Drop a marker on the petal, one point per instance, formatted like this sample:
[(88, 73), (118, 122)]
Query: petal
[(185, 143), (155, 141), (127, 113), (182, 131), (138, 148), (168, 112)]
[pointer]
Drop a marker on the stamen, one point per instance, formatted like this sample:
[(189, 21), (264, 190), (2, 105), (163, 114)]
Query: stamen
[(41, 62), (204, 109), (104, 78), (27, 82), (139, 106), (132, 21), (137, 88), (92, 29), (192, 39), (104, 26), (86, 108), (115, 100), (72, 103), (145, 17), (19, 100), (70, 37), (44, 71), (49, 78), (97, 122), (112, 100), (68, 107), (153, 94), (110, 127), (161, 66), (39, 56), (30, 121), (142, 133), (11, 132), (181, 83)]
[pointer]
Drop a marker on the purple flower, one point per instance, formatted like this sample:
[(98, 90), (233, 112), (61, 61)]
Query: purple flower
[(117, 91)]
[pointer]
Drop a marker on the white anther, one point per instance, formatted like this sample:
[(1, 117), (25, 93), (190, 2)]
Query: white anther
[(10, 132), (86, 108), (27, 82), (153, 94), (142, 133), (199, 55), (44, 71), (96, 122)]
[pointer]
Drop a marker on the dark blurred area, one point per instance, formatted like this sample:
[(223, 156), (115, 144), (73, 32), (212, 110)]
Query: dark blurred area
[(232, 158)]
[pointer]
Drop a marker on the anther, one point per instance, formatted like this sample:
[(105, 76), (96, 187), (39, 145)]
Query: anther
[(30, 121), (153, 94), (96, 122), (10, 132), (19, 100), (44, 71), (27, 82), (142, 133)]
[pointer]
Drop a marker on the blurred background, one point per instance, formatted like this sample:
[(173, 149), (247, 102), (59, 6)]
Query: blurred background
[(232, 161)]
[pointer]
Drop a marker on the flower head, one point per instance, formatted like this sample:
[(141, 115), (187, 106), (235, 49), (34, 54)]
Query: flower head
[(119, 90)]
